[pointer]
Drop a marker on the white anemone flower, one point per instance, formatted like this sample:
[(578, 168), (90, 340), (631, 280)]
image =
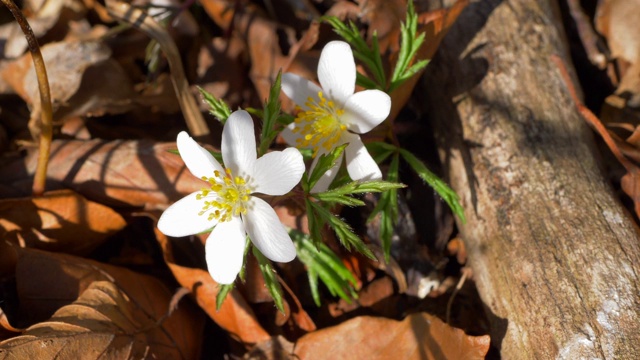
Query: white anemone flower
[(334, 115), (228, 202)]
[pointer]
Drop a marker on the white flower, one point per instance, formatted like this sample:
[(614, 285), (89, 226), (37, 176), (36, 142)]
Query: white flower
[(228, 202), (333, 115)]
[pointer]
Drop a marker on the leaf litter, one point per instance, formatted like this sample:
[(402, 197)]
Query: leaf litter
[(112, 171)]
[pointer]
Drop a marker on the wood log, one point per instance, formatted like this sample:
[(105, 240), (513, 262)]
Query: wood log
[(554, 254)]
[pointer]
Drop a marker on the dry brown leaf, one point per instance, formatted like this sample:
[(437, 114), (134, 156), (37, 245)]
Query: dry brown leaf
[(617, 21), (47, 18), (82, 77), (104, 322), (122, 173), (61, 221), (418, 336), (234, 316), (263, 40)]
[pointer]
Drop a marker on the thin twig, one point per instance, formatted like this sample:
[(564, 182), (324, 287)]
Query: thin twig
[(453, 295), (46, 116), (139, 19)]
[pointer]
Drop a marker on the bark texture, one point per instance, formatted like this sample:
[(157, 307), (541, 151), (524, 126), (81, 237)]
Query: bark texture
[(555, 256)]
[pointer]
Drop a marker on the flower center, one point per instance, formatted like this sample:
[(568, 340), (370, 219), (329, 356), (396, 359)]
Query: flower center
[(230, 196), (319, 126)]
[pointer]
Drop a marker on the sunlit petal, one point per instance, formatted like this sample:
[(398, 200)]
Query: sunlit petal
[(182, 219), (224, 251), (239, 143), (360, 164), (290, 137), (197, 159), (299, 89), (267, 233), (327, 178), (366, 110), (337, 71), (277, 172)]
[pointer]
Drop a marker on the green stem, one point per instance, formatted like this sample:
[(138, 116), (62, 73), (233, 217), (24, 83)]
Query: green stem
[(46, 131)]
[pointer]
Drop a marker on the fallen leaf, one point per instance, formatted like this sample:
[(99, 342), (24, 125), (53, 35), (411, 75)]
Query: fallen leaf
[(104, 322), (58, 221), (119, 173), (418, 336), (74, 69), (617, 20), (235, 315)]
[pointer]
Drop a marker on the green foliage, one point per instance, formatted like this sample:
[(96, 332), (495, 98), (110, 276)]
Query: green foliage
[(223, 290), (217, 107), (344, 194), (324, 264), (387, 207), (409, 45), (447, 194), (270, 116), (370, 56), (325, 162), (270, 278)]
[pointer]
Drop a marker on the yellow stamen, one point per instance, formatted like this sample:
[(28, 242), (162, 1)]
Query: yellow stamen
[(320, 125), (230, 196)]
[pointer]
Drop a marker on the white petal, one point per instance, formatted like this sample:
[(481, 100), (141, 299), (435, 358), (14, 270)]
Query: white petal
[(299, 89), (327, 178), (360, 164), (366, 110), (277, 172), (289, 136), (224, 250), (267, 233), (239, 143), (199, 161), (337, 71), (182, 219)]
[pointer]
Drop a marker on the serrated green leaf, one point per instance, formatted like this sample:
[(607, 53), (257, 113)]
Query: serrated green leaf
[(271, 113), (270, 278), (369, 56), (223, 290), (387, 208), (447, 194), (217, 107), (325, 162), (343, 231), (324, 264), (315, 223), (332, 198)]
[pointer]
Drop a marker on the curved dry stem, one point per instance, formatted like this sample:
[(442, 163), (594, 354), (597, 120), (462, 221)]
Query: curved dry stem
[(40, 177), (139, 19)]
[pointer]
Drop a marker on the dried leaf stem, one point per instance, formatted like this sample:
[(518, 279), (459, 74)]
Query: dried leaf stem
[(142, 21), (40, 177)]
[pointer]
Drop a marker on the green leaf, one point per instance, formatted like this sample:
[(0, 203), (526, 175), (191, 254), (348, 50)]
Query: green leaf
[(217, 107), (343, 231), (323, 263), (410, 43), (325, 162), (344, 194), (369, 56), (387, 208), (447, 194), (271, 114), (380, 151), (315, 223), (270, 278), (223, 290)]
